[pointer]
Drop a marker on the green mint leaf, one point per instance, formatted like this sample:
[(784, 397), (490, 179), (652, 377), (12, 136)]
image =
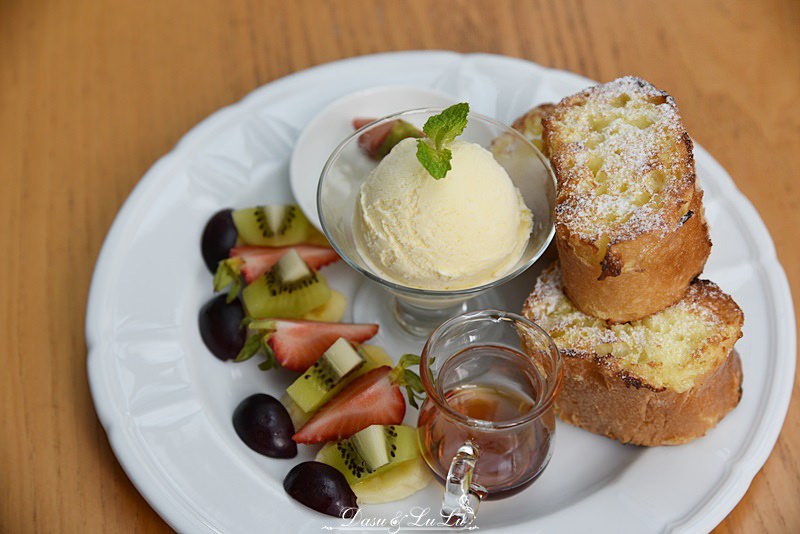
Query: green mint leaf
[(441, 129), (436, 162), (447, 125)]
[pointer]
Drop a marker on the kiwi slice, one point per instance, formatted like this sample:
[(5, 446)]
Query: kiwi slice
[(289, 290), (371, 445), (326, 377), (272, 226), (374, 357), (371, 451)]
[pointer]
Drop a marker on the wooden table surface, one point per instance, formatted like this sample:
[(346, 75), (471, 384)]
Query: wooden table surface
[(93, 92)]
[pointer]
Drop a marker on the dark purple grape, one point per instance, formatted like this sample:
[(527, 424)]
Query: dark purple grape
[(321, 487), (265, 426), (219, 238), (221, 327)]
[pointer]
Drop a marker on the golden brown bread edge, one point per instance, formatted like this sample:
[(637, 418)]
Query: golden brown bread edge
[(600, 396), (638, 277), (599, 399), (634, 277), (530, 125)]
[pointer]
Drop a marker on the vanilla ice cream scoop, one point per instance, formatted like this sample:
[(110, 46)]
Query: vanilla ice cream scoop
[(461, 231)]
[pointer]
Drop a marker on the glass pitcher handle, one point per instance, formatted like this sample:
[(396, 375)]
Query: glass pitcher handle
[(460, 503)]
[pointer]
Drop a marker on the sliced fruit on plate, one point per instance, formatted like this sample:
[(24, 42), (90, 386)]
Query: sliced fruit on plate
[(219, 236), (272, 226), (297, 344), (320, 487), (379, 141), (369, 451), (372, 399), (259, 260), (315, 237), (264, 425), (326, 377), (330, 312), (373, 355), (220, 325), (298, 416), (251, 262), (376, 356), (289, 290), (394, 484), (401, 473)]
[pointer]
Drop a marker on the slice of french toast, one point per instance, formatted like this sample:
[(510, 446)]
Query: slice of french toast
[(663, 380), (630, 228), (530, 125)]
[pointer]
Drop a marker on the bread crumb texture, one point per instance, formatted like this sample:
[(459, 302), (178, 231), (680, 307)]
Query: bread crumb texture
[(622, 151), (665, 350)]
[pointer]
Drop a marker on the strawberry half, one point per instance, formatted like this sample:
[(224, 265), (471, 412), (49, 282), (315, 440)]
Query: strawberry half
[(380, 140), (372, 399), (372, 140), (297, 344), (360, 122), (259, 260)]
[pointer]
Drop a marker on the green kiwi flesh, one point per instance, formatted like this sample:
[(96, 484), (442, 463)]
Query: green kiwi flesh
[(272, 226), (373, 357), (371, 451), (289, 290), (326, 377)]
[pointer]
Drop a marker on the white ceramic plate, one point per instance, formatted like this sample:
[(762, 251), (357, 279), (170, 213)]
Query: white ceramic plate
[(166, 402)]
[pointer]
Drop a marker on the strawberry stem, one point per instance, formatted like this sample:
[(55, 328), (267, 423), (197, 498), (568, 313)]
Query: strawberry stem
[(251, 347), (229, 274), (402, 376), (260, 330)]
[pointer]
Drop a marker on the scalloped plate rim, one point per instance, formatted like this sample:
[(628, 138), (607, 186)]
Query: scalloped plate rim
[(704, 517)]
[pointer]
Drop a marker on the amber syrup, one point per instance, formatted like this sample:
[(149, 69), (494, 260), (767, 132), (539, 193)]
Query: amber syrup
[(496, 388)]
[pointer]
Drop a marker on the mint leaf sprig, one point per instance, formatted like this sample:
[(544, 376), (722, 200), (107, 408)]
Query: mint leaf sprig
[(441, 129)]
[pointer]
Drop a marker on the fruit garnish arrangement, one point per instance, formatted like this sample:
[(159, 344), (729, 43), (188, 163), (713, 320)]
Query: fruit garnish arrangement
[(347, 396), (647, 348)]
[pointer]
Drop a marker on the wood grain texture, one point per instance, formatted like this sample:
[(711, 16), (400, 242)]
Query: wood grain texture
[(93, 92)]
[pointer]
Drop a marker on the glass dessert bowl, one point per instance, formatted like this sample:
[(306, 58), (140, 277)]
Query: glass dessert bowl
[(417, 309)]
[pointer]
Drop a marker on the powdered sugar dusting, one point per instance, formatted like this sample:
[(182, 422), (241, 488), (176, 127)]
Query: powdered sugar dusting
[(618, 156), (667, 349)]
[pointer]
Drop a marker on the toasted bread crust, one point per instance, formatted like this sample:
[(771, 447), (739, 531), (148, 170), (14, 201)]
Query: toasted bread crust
[(530, 125), (636, 278), (604, 393), (641, 260), (599, 398)]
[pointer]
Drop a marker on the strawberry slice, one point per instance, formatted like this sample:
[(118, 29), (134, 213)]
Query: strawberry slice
[(361, 122), (296, 343), (372, 399), (371, 141), (380, 140), (259, 260)]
